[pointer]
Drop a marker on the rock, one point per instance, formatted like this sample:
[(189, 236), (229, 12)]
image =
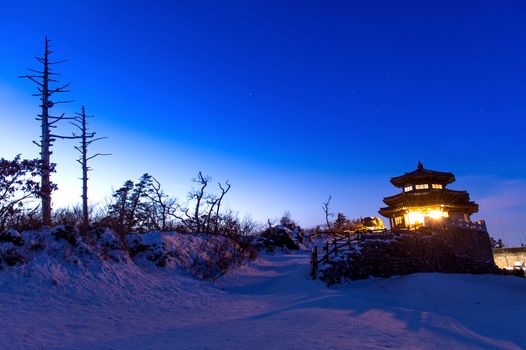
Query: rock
[(151, 246), (278, 237), (12, 236), (68, 233)]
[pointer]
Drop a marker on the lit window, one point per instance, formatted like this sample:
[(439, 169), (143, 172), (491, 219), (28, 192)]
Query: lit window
[(408, 188), (438, 186), (422, 186), (398, 220), (415, 218)]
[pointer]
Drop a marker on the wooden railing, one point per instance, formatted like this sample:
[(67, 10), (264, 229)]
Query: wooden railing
[(473, 225), (332, 248), (341, 245), (344, 234)]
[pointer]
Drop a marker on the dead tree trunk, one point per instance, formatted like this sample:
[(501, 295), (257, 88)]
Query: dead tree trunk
[(198, 195), (326, 210), (86, 138), (219, 200), (162, 206), (43, 78), (211, 202)]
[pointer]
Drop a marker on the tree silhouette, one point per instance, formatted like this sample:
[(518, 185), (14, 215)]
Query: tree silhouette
[(199, 195), (86, 139), (224, 191), (43, 78), (326, 210), (17, 187)]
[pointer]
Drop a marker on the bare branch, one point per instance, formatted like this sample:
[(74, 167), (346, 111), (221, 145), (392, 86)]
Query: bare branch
[(98, 155), (66, 137), (32, 79), (57, 62)]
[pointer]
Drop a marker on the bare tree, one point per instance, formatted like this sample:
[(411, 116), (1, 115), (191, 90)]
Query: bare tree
[(199, 195), (86, 139), (162, 207), (205, 216), (224, 191), (211, 201), (326, 210), (42, 78), (186, 219)]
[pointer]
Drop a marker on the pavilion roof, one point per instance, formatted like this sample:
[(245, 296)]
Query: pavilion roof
[(441, 196), (421, 175)]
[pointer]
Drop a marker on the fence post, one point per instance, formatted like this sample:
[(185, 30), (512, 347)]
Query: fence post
[(316, 264), (314, 270), (327, 252), (349, 239), (335, 242)]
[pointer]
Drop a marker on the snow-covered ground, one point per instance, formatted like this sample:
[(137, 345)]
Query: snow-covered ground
[(269, 304)]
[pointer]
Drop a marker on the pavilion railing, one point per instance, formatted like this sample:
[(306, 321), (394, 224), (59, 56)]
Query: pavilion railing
[(474, 225)]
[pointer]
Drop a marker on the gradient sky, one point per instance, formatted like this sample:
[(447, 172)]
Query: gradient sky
[(290, 100)]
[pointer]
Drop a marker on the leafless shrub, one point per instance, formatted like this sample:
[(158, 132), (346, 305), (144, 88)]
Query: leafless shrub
[(215, 257), (25, 220), (68, 216)]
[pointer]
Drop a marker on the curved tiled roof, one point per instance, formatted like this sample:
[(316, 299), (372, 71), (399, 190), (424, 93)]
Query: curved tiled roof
[(424, 176)]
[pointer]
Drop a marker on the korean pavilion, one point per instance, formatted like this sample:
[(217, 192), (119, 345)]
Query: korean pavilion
[(425, 198)]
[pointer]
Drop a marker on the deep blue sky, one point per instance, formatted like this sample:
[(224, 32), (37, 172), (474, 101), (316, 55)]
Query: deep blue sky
[(290, 100)]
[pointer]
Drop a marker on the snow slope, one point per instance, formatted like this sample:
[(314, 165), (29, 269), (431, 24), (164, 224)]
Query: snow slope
[(270, 304)]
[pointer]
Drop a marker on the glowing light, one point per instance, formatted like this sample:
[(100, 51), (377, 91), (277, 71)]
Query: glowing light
[(435, 214), (417, 216)]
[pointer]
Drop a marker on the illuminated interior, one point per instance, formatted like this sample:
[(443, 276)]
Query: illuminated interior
[(417, 216)]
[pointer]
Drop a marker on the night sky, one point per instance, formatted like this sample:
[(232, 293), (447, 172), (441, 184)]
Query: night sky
[(291, 101)]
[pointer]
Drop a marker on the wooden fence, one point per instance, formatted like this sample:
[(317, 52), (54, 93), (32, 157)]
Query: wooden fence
[(332, 249), (340, 245)]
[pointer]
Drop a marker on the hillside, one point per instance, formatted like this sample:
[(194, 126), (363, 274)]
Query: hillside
[(269, 303)]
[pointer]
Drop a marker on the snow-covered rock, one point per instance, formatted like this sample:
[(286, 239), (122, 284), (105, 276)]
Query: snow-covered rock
[(279, 237)]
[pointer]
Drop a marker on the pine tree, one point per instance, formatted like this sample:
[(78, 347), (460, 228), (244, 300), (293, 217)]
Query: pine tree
[(341, 222), (131, 208)]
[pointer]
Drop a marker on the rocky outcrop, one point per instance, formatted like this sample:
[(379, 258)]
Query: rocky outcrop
[(151, 246), (278, 237)]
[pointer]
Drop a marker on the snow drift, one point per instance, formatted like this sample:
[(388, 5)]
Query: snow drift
[(57, 292), (61, 252)]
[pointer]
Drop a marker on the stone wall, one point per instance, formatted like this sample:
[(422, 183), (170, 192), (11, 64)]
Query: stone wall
[(444, 249), (508, 257)]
